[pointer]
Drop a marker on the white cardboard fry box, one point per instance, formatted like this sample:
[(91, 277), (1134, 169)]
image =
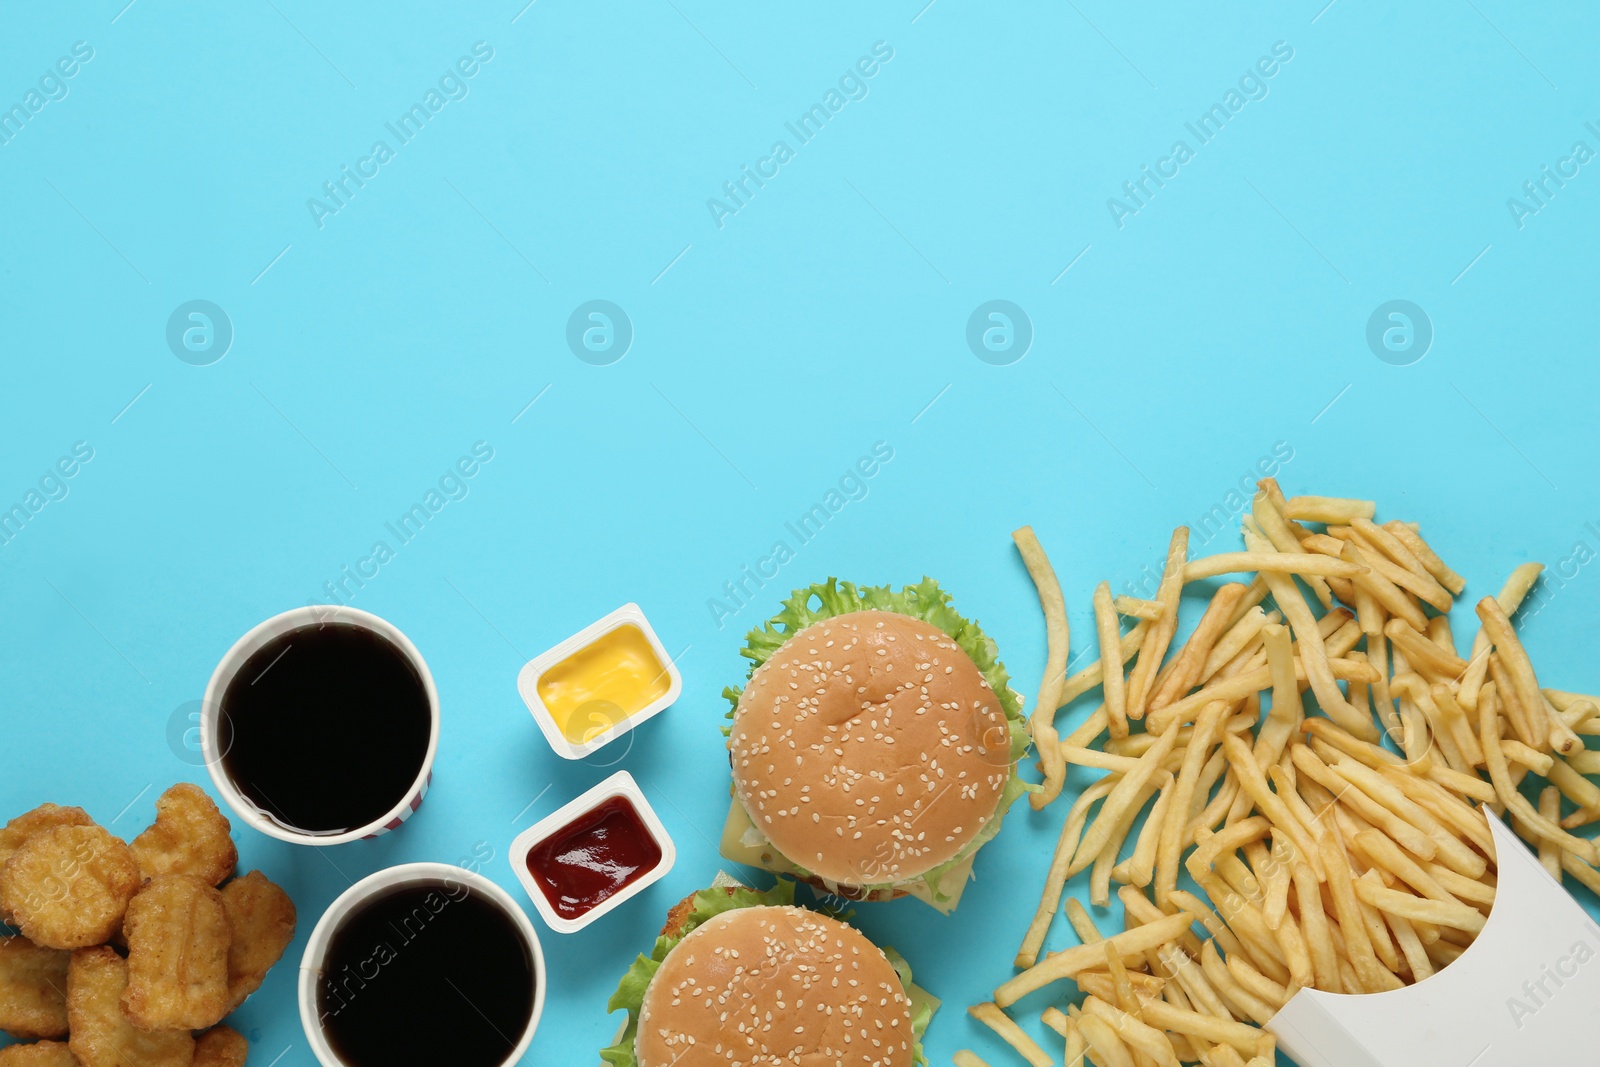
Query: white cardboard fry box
[(1523, 995)]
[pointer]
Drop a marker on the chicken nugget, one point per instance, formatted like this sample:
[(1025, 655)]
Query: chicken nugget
[(190, 836), (40, 1054), (262, 917), (102, 1036), (33, 989), (178, 937), (221, 1046), (68, 886), (44, 817), (18, 830)]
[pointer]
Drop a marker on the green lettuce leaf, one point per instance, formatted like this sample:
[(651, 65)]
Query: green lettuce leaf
[(923, 1012), (709, 903), (925, 601)]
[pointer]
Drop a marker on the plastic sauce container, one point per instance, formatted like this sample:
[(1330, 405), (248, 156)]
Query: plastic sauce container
[(599, 683), (592, 854)]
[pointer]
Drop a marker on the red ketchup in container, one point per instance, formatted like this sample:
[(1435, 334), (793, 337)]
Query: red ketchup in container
[(594, 857)]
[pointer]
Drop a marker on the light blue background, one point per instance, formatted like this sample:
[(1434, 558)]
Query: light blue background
[(769, 354)]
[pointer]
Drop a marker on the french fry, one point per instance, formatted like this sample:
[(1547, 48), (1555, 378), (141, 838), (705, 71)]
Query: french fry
[(1267, 509), (965, 1058), (1241, 686), (1137, 908), (1258, 984), (1379, 551), (1422, 653), (1186, 901), (1382, 696), (1239, 1000), (1384, 853), (1393, 599), (1117, 804), (1510, 706), (1100, 875), (1314, 924), (1241, 1037), (1160, 633), (1449, 848), (1106, 1047), (1082, 957), (1500, 774), (1374, 977), (1405, 936), (1191, 659), (1313, 654), (1122, 987), (1057, 642), (1091, 676), (1430, 561), (1549, 851), (1172, 842), (1583, 872), (991, 1016), (1439, 912), (1509, 646), (1135, 608), (1460, 723), (1398, 552), (1574, 786), (1516, 588), (1058, 1021), (1136, 1035), (1110, 660), (1276, 562), (1254, 782), (1347, 793), (1517, 752), (1071, 831), (1240, 636), (1140, 867), (1212, 846), (1081, 922), (1328, 509)]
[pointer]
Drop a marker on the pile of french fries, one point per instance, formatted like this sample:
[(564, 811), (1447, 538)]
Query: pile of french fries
[(1326, 858)]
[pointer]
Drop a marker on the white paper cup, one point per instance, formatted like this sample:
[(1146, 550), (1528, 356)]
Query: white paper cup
[(247, 646), (377, 884)]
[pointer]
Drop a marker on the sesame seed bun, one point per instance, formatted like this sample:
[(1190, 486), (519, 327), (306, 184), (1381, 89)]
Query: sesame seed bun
[(869, 749), (774, 984)]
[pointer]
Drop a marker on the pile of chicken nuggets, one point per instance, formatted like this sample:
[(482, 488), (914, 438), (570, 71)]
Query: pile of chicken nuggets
[(131, 954)]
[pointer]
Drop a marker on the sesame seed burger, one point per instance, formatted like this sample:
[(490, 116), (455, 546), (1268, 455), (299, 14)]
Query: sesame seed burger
[(874, 747), (740, 978)]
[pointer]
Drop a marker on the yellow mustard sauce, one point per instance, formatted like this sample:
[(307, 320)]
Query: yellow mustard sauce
[(602, 683)]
